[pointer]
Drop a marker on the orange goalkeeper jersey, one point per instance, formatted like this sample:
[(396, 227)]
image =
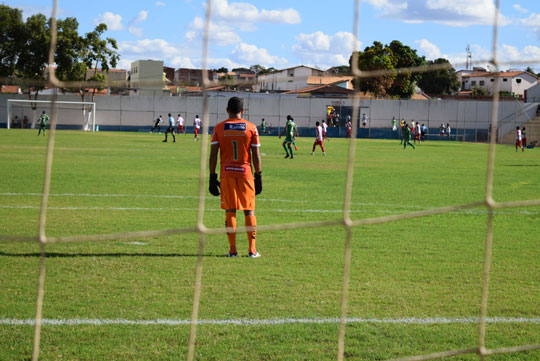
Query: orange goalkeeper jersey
[(235, 138)]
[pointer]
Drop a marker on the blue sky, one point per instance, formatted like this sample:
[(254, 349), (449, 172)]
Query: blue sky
[(283, 33)]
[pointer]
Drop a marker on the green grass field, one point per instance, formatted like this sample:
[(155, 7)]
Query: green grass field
[(403, 275)]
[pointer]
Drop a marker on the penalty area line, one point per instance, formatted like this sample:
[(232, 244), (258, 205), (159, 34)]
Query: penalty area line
[(248, 322)]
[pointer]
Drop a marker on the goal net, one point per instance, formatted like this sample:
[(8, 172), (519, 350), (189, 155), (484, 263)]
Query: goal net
[(69, 115)]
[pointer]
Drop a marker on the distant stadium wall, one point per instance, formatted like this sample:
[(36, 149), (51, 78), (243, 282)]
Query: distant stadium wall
[(469, 119)]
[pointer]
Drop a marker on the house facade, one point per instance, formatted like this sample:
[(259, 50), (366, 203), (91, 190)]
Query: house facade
[(513, 82), (146, 77), (287, 79)]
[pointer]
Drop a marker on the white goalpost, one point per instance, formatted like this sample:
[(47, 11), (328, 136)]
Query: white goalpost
[(68, 112)]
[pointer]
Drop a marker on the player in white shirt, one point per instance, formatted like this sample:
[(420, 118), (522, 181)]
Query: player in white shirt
[(180, 124), (324, 127), (318, 138), (170, 129), (197, 125), (519, 139)]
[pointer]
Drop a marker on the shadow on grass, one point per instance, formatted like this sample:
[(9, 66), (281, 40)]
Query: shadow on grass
[(522, 165), (75, 255)]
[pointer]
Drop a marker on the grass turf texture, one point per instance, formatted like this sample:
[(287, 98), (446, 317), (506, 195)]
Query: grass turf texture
[(420, 268)]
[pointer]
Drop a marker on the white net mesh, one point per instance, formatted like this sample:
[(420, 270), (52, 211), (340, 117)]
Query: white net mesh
[(346, 222)]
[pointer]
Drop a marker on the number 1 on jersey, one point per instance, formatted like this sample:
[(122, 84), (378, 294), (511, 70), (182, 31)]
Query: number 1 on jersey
[(235, 149)]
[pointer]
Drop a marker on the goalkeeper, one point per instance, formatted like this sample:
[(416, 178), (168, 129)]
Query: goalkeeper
[(43, 119), (237, 142)]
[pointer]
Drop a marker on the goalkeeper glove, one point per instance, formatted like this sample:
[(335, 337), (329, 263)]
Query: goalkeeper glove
[(214, 185), (258, 183)]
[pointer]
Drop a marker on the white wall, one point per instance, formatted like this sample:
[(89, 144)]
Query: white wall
[(140, 111)]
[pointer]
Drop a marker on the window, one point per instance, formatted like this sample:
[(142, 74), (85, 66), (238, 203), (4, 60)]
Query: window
[(505, 79), (492, 80), (481, 83), (473, 83), (518, 81)]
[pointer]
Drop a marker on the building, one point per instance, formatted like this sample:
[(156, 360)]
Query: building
[(532, 95), (169, 74), (287, 79), (191, 77), (117, 80), (146, 77), (514, 82)]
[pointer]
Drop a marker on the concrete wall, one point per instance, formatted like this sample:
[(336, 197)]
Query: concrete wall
[(134, 112)]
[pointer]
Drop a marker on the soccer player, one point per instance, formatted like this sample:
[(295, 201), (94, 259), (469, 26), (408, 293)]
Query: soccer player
[(197, 126), (43, 119), (401, 125), (237, 142), (519, 139), (364, 120), (423, 132), (156, 125), (263, 126), (349, 129), (170, 129), (394, 124), (318, 138), (180, 123), (524, 138), (417, 133), (290, 132), (324, 128), (406, 136)]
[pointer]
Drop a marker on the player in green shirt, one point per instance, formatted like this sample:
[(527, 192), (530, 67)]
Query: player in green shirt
[(290, 132), (263, 126), (406, 136), (43, 119)]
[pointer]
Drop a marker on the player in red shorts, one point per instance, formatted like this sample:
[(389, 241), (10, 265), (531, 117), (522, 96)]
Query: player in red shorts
[(318, 138), (197, 127), (237, 142), (519, 140)]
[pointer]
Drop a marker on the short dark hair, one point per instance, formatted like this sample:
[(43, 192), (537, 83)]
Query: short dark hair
[(317, 123), (235, 105)]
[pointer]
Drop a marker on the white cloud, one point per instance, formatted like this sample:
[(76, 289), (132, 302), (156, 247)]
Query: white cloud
[(218, 34), (251, 54), (245, 15), (160, 3), (518, 7), (113, 21), (430, 50), (508, 56), (324, 51), (447, 12), (532, 21), (141, 16)]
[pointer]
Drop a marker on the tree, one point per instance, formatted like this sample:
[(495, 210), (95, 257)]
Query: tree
[(34, 55), (221, 70), (376, 57), (240, 70), (439, 81), (477, 91), (404, 56), (389, 58), (99, 51), (11, 39), (341, 70)]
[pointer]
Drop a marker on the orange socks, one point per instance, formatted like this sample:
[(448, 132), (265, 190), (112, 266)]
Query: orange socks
[(230, 222), (251, 221)]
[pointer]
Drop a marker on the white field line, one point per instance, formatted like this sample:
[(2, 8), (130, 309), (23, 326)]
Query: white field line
[(277, 321), (294, 210), (106, 195)]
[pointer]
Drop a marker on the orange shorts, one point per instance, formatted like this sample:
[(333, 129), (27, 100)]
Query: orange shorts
[(237, 193)]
